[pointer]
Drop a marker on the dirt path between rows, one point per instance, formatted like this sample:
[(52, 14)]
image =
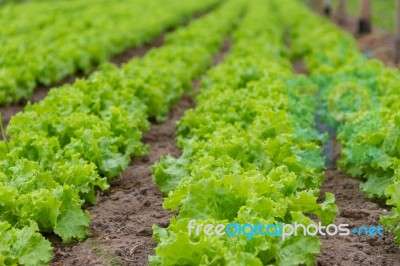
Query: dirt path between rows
[(355, 210), (122, 220)]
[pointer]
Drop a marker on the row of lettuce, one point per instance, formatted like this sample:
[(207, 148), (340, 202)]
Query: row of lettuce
[(360, 97), (83, 134), (249, 155), (43, 42)]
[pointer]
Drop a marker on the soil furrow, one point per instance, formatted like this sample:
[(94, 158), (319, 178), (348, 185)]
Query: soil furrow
[(355, 210)]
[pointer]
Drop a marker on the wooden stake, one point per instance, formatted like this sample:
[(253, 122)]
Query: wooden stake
[(318, 6), (3, 133), (327, 8), (341, 13), (364, 21), (397, 41)]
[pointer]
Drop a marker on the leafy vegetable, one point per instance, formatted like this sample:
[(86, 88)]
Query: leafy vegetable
[(23, 246), (357, 85), (247, 156), (81, 135), (46, 41)]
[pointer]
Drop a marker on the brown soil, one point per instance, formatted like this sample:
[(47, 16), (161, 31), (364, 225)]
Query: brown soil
[(379, 46), (140, 51), (355, 210), (300, 68)]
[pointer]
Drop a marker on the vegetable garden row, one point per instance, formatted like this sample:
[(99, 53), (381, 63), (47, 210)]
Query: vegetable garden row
[(368, 118), (76, 36), (250, 151)]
